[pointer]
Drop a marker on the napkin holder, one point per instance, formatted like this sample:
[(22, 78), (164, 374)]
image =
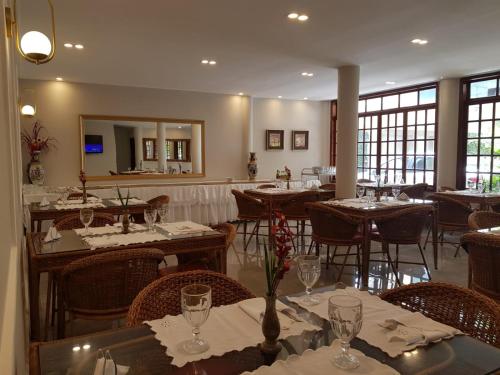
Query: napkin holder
[(403, 197), (52, 235)]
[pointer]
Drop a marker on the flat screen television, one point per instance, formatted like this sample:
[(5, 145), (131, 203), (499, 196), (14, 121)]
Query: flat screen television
[(93, 144)]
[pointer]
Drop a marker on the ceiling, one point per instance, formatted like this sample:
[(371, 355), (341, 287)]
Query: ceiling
[(259, 51)]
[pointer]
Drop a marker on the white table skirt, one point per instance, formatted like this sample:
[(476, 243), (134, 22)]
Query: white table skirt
[(203, 204)]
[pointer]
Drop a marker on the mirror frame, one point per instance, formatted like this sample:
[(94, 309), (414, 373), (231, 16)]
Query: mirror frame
[(84, 117)]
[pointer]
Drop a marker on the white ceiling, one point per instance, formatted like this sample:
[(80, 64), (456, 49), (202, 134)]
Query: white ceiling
[(159, 43)]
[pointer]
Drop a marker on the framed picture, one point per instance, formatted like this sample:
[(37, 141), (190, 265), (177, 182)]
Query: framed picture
[(300, 140), (275, 139)]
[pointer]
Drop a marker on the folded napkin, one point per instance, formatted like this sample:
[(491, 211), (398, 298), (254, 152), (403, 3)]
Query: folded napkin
[(52, 235), (319, 362), (44, 202), (105, 366), (255, 308), (403, 197), (184, 227)]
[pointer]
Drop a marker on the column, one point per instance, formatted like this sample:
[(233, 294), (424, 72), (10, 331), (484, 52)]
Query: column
[(250, 124), (138, 147), (196, 146), (347, 129), (160, 146), (449, 97)]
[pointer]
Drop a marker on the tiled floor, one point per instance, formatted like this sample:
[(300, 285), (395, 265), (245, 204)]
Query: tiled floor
[(247, 267)]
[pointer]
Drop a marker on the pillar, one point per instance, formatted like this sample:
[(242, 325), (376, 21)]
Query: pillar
[(160, 146), (449, 93), (250, 124), (138, 147), (196, 146), (347, 129)]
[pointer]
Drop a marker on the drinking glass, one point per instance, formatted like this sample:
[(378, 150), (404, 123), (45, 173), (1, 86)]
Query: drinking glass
[(480, 187), (163, 213), (150, 218), (86, 217), (370, 193), (196, 300), (308, 271), (346, 317), (395, 191), (360, 191), (470, 184)]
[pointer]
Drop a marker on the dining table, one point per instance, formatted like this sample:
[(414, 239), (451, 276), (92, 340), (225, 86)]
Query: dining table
[(39, 213), (367, 211), (137, 348), (52, 257), (485, 199)]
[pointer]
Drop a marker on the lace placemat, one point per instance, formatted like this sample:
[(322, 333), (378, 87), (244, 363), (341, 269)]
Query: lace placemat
[(124, 239), (75, 206), (131, 201), (108, 229)]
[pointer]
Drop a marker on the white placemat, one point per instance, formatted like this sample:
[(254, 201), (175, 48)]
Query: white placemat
[(124, 239), (109, 229), (75, 206), (227, 328), (184, 227), (319, 362), (375, 312), (131, 201), (363, 204), (80, 201)]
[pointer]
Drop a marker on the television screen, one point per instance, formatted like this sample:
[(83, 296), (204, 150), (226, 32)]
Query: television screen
[(93, 144)]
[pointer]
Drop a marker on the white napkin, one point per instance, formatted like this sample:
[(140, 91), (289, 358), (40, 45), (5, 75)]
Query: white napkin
[(44, 202), (52, 235), (184, 227), (255, 308), (403, 197), (109, 370)]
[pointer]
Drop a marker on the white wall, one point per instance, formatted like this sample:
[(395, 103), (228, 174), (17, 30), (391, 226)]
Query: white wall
[(101, 164), (59, 105), (291, 115), (13, 336)]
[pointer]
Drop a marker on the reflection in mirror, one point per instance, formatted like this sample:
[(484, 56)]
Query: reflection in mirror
[(125, 147)]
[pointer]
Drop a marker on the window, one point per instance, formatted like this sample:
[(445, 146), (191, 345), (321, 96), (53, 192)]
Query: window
[(480, 130), (149, 149), (397, 134)]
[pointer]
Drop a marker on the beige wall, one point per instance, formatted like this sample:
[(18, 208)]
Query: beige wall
[(226, 131), (100, 164), (291, 115), (13, 337)]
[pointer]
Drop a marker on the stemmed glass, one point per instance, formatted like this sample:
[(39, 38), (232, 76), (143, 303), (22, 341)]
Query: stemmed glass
[(308, 271), (395, 191), (150, 218), (163, 213), (346, 317), (360, 191), (86, 217), (196, 300)]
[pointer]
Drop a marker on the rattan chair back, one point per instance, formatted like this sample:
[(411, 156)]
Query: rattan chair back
[(249, 208), (104, 285), (72, 221), (294, 207), (155, 202), (328, 186), (75, 196), (331, 226), (484, 263), (464, 309), (229, 230), (484, 219), (451, 212), (403, 226), (416, 191), (163, 296)]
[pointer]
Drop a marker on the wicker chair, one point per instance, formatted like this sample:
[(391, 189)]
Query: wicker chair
[(328, 187), (72, 221), (250, 210), (453, 216), (267, 186), (483, 219), (331, 227), (155, 202), (163, 296), (464, 309), (484, 263), (416, 191), (402, 227), (294, 209), (103, 286)]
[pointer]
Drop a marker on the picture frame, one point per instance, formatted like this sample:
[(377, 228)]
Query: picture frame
[(275, 139), (300, 140)]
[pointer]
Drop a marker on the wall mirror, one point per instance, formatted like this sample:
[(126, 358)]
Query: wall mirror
[(114, 147)]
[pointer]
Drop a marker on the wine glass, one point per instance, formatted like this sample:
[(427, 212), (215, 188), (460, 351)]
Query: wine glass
[(163, 213), (395, 191), (346, 317), (196, 300), (150, 218), (86, 217), (470, 185), (370, 194), (308, 271), (360, 191)]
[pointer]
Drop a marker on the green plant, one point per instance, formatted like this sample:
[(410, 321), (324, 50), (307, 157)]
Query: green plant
[(124, 202)]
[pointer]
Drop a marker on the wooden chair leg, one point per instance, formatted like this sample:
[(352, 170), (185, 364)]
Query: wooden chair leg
[(251, 235), (425, 262), (245, 232), (385, 247), (48, 307), (327, 256), (397, 256), (343, 263), (310, 247)]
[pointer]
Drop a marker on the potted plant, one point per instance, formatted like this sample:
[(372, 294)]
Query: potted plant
[(125, 211), (36, 143)]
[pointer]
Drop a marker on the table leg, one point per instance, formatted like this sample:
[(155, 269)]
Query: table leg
[(435, 237), (366, 253), (61, 316), (34, 283)]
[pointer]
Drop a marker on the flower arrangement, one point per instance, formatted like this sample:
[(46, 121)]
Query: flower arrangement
[(35, 142), (123, 201), (276, 257), (83, 179)]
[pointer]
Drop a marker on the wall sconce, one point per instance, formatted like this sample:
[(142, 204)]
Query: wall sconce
[(34, 46), (28, 110)]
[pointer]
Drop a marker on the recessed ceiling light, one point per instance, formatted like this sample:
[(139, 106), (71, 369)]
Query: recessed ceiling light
[(68, 45), (240, 94), (180, 127), (303, 17), (86, 347), (204, 61), (307, 74), (212, 62), (390, 82), (79, 46), (59, 79), (420, 41), (279, 96), (293, 15), (306, 98), (76, 348)]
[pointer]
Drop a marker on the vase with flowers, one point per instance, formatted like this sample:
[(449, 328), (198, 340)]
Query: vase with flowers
[(285, 175), (36, 143), (125, 210), (277, 263)]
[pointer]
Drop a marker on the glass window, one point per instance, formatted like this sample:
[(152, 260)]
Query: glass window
[(427, 96), (483, 89), (389, 102), (373, 104), (409, 99)]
